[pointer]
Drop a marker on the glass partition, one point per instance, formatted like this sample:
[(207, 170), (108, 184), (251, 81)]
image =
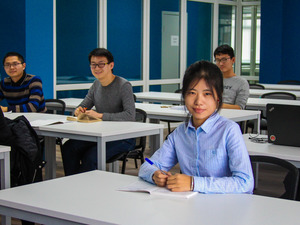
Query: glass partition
[(76, 36), (124, 37)]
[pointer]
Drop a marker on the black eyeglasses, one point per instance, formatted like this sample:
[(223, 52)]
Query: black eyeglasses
[(223, 60), (100, 65), (14, 65)]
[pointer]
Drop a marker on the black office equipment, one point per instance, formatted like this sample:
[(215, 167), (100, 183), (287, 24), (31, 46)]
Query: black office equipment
[(283, 124)]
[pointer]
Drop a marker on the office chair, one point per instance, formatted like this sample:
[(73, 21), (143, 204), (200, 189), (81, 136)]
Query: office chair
[(171, 121), (139, 149), (297, 82), (256, 86), (56, 106), (262, 189), (270, 95)]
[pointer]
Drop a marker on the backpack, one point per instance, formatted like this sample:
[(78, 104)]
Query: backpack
[(26, 161)]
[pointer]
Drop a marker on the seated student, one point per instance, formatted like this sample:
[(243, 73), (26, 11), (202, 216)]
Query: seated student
[(236, 88), (23, 92), (209, 148), (112, 97)]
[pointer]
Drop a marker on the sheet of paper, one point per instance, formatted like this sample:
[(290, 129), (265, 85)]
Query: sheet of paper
[(37, 123)]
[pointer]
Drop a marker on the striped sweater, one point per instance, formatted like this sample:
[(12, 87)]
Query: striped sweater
[(26, 95)]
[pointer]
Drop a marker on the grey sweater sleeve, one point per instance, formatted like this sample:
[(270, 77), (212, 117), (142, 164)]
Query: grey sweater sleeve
[(242, 95), (88, 101)]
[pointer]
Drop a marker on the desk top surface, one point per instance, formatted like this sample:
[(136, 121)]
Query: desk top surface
[(4, 148), (259, 92), (93, 198), (99, 129), (280, 151), (175, 111), (282, 87)]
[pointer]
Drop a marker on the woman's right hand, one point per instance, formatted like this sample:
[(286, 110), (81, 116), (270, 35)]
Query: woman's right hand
[(160, 179)]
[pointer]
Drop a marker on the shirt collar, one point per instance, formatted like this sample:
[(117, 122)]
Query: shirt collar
[(207, 125)]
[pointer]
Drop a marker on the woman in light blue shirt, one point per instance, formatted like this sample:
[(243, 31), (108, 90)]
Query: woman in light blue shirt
[(209, 148)]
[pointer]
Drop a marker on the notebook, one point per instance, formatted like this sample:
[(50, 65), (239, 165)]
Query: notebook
[(143, 186), (283, 124)]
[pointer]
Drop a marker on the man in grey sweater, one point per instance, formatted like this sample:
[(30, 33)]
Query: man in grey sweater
[(112, 97), (236, 88)]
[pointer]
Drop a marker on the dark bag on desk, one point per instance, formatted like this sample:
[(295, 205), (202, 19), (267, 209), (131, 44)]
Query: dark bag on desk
[(25, 158)]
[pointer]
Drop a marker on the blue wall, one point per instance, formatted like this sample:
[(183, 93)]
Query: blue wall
[(280, 35), (12, 32), (39, 42)]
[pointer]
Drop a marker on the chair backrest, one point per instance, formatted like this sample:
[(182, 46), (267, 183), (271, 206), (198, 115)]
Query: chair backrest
[(55, 106), (289, 82), (140, 116), (256, 86), (292, 171), (279, 95), (134, 97), (178, 91)]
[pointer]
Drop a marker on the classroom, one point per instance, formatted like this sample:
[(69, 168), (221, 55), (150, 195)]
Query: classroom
[(153, 42)]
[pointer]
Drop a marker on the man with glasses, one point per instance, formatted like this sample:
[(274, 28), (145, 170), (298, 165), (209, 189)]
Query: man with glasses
[(236, 88), (23, 92), (112, 97)]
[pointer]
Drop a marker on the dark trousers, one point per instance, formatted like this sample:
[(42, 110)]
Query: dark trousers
[(81, 156)]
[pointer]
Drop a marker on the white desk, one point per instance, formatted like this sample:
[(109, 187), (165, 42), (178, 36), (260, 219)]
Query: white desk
[(289, 153), (287, 87), (5, 174), (100, 132), (156, 112), (162, 97), (261, 103), (92, 198), (5, 166), (256, 93)]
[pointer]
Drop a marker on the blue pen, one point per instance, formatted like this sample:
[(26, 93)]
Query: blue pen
[(152, 164)]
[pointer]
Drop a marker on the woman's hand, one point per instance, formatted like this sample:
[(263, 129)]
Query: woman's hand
[(160, 179), (179, 182)]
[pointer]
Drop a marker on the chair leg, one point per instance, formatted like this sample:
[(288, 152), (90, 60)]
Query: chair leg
[(142, 158), (124, 165), (135, 162)]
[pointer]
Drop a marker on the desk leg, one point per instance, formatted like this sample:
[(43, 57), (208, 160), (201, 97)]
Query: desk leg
[(5, 171), (156, 121), (5, 181), (101, 153), (50, 157), (156, 141)]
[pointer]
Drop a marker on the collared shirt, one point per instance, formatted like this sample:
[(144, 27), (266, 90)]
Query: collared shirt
[(215, 154)]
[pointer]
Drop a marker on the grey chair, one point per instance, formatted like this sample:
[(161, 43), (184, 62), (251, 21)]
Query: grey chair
[(291, 187), (256, 86), (137, 153), (297, 82), (270, 95), (56, 106)]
